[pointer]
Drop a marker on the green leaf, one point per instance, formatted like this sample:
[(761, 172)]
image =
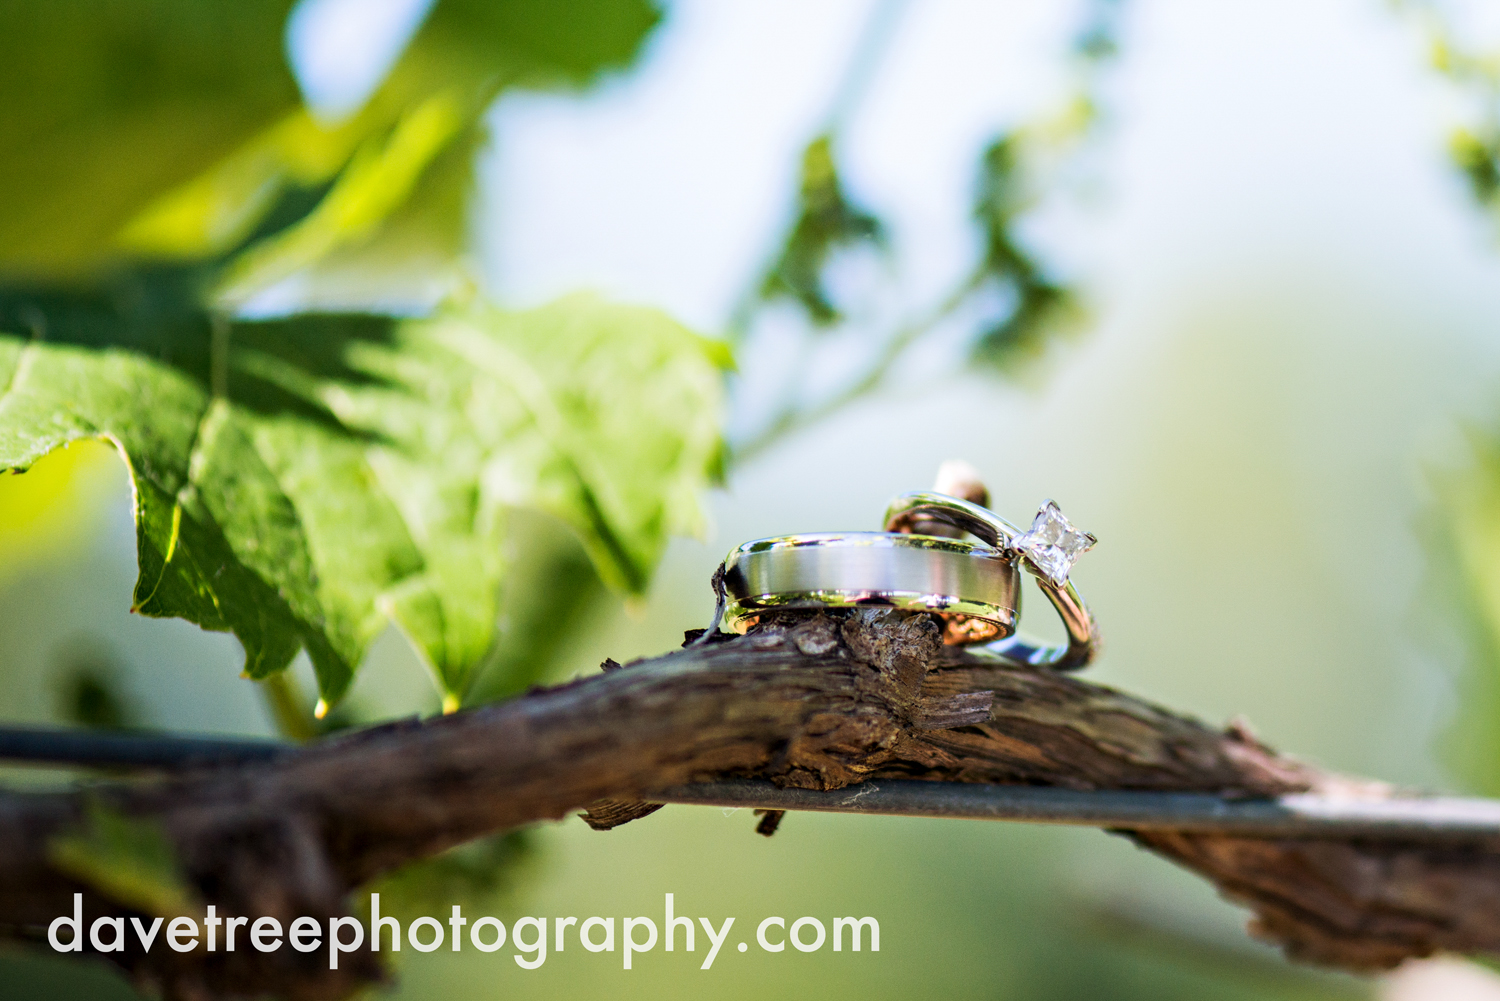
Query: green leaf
[(128, 859), (1478, 158), (221, 208), (532, 43), (393, 227), (166, 129), (89, 688), (357, 469), (1039, 305), (827, 222), (601, 415), (108, 106), (377, 183), (549, 596)]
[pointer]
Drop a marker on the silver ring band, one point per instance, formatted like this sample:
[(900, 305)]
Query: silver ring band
[(974, 587), (990, 528)]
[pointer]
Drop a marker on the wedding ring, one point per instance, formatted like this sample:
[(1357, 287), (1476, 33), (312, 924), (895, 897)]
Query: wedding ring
[(1047, 550), (975, 587)]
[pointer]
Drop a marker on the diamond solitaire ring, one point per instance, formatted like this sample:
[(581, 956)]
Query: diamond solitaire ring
[(973, 586), (1047, 550)]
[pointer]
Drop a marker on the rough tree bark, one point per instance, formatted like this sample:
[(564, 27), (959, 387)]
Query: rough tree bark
[(816, 702)]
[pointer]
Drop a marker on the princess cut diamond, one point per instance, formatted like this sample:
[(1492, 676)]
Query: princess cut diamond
[(1052, 545)]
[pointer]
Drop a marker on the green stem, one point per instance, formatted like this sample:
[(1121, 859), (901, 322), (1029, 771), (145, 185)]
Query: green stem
[(869, 51), (288, 708), (874, 41), (793, 418), (218, 355)]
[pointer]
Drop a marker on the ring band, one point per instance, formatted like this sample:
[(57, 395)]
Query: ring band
[(974, 587), (990, 528)]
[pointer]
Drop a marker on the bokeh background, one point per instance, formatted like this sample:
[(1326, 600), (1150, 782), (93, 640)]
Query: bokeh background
[(1273, 409)]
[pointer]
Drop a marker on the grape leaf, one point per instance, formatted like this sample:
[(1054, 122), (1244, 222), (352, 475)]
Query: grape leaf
[(549, 597), (355, 469)]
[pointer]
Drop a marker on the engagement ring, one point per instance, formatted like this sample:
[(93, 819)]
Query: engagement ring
[(1047, 550)]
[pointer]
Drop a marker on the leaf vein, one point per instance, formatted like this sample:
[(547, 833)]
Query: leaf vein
[(23, 362)]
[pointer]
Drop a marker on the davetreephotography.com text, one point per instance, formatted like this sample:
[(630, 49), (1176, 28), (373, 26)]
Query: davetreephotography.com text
[(530, 940)]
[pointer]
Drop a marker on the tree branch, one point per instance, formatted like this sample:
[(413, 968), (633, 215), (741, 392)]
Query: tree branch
[(819, 703)]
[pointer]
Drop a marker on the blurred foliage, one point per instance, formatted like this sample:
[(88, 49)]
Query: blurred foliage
[(127, 859), (1232, 966), (1037, 302), (108, 106), (477, 876), (1474, 75), (89, 689), (826, 222), (90, 699), (473, 875), (1479, 160), (1463, 530), (34, 973), (166, 128), (1463, 535), (1017, 172)]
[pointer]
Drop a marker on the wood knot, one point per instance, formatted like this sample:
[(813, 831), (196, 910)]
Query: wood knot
[(816, 636), (897, 643)]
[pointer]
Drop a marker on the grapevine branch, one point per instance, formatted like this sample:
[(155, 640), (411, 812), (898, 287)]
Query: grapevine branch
[(804, 707)]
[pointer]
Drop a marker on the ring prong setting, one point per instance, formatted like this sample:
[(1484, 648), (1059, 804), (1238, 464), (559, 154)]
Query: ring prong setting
[(1052, 545)]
